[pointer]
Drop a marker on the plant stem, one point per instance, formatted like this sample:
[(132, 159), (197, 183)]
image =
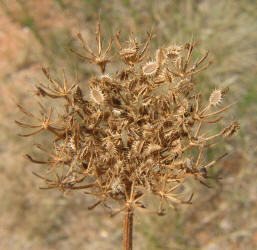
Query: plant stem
[(128, 230)]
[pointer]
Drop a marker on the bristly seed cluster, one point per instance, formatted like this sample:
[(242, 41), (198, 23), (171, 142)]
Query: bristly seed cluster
[(133, 133)]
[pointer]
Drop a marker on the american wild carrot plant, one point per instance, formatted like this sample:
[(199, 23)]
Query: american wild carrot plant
[(139, 132)]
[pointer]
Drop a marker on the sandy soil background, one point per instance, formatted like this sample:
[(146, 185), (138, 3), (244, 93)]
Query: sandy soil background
[(36, 33)]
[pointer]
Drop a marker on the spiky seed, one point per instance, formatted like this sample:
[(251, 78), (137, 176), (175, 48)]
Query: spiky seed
[(174, 51), (111, 148), (185, 86), (215, 97), (231, 129), (128, 52), (106, 77), (97, 95), (150, 68), (152, 147), (138, 146)]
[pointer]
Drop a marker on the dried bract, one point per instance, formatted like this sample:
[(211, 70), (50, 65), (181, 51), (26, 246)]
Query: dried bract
[(100, 57)]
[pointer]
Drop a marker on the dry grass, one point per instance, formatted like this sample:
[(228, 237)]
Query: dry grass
[(222, 217)]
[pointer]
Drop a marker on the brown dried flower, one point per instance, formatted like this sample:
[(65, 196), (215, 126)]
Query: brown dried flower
[(132, 135)]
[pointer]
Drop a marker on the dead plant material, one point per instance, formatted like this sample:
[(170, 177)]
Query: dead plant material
[(133, 135)]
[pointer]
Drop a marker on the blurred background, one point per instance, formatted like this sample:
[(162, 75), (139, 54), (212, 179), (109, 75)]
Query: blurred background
[(36, 33)]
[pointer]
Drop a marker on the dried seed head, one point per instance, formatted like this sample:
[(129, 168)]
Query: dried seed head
[(129, 55), (185, 86), (97, 95), (231, 129), (136, 133), (128, 52), (132, 54), (150, 69), (173, 51), (215, 97)]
